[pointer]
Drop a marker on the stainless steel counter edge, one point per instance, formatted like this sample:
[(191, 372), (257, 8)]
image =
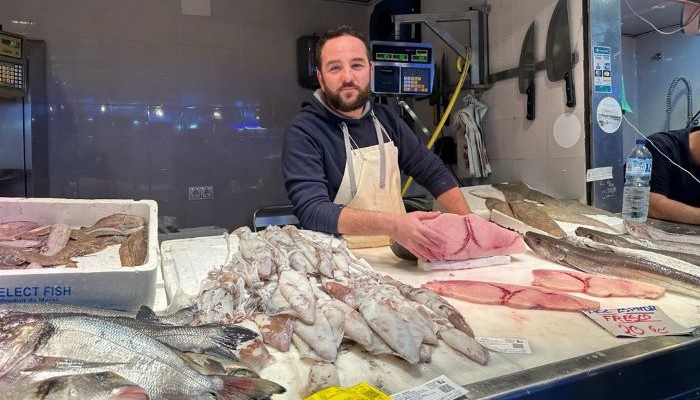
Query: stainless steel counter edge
[(592, 367)]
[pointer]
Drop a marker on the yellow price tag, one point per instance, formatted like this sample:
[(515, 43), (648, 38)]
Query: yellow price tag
[(361, 391)]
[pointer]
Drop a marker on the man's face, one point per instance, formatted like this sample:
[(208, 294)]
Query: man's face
[(344, 74)]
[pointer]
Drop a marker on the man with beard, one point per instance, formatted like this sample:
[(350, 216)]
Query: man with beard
[(342, 158)]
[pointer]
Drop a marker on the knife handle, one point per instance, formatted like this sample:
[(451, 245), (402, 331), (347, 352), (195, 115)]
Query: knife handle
[(570, 90), (530, 91)]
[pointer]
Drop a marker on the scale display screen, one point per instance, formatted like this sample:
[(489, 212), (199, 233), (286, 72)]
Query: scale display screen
[(10, 46), (402, 68)]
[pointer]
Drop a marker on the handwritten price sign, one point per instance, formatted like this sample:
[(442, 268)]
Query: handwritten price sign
[(641, 321)]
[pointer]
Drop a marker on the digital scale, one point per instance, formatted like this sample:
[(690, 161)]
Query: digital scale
[(12, 65), (402, 68)]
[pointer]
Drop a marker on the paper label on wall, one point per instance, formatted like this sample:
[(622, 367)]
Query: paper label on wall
[(602, 69), (642, 321), (506, 345), (599, 174), (609, 115), (440, 388)]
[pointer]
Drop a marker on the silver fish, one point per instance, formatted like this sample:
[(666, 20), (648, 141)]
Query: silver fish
[(627, 241), (606, 263), (99, 386), (138, 358), (649, 232)]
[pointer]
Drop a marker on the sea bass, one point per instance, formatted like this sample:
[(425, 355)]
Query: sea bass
[(100, 386), (600, 262), (134, 356)]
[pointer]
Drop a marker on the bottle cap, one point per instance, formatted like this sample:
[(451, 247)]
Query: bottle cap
[(641, 141)]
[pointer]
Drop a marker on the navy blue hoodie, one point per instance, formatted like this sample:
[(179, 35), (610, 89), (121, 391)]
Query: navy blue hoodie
[(313, 159)]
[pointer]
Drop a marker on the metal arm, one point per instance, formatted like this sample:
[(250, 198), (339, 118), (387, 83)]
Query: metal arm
[(478, 37)]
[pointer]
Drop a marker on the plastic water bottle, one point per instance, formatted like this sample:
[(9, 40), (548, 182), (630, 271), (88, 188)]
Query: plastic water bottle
[(635, 197)]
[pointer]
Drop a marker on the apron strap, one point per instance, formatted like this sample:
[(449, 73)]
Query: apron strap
[(382, 156), (348, 157)]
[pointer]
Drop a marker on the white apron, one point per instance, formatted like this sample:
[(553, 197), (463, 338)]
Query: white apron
[(372, 182)]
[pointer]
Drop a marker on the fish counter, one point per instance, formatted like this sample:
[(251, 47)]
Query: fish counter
[(569, 351)]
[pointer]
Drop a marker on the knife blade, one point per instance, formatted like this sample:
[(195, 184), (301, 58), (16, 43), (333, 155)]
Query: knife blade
[(558, 50), (526, 72)]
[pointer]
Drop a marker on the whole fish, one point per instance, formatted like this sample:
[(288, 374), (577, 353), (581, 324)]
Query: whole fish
[(99, 386), (566, 215), (514, 191), (181, 317), (498, 205), (531, 215), (674, 227), (57, 239), (14, 229), (575, 205), (649, 232), (625, 241), (138, 358), (645, 254), (134, 250), (17, 257), (117, 221), (606, 263)]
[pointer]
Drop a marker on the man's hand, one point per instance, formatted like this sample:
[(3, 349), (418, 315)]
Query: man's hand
[(424, 242)]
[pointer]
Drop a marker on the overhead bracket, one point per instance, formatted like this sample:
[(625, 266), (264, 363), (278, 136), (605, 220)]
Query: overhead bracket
[(478, 37)]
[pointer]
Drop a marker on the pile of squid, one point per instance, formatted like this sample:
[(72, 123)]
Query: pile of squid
[(306, 289)]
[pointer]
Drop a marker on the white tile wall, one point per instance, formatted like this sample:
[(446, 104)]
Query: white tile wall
[(537, 159)]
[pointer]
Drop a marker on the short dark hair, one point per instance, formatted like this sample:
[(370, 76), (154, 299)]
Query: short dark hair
[(343, 30)]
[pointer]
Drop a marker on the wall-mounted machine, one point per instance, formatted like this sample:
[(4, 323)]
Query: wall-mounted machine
[(402, 68), (478, 38), (23, 117)]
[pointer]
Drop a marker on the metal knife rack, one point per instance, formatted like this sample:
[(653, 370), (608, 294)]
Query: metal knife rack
[(478, 38), (513, 72)]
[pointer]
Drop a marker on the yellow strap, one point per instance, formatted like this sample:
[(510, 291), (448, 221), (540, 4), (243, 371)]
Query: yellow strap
[(464, 69), (361, 391)]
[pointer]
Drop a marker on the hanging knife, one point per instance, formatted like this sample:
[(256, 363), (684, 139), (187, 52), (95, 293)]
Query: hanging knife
[(558, 50), (526, 71)]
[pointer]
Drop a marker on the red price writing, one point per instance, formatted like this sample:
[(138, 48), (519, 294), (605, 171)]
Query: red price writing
[(634, 330), (629, 318)]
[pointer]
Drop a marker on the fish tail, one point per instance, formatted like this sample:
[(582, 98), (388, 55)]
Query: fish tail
[(243, 387), (229, 337)]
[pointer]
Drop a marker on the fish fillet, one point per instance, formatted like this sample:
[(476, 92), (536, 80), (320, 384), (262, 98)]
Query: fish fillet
[(514, 296), (471, 236), (594, 285)]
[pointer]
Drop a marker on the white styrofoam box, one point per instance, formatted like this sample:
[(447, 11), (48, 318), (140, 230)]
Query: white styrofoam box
[(99, 280)]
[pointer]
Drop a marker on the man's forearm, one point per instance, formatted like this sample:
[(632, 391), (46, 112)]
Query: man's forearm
[(661, 207), (360, 222), (454, 202)]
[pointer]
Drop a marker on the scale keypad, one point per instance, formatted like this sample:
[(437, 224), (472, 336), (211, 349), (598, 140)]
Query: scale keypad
[(11, 75)]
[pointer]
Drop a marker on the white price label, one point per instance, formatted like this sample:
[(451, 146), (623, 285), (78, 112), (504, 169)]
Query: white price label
[(440, 388), (506, 345), (599, 174)]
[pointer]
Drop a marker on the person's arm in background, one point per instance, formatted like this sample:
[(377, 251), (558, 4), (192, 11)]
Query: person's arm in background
[(454, 202), (416, 160), (661, 207)]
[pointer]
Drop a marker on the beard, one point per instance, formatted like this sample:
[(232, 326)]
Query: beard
[(336, 101)]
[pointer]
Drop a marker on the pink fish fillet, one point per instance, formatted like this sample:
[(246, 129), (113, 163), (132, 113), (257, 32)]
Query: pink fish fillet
[(514, 296), (594, 285), (470, 236)]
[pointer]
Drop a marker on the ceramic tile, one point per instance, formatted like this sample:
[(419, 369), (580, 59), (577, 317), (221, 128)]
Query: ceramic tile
[(566, 177), (532, 171), (499, 139)]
